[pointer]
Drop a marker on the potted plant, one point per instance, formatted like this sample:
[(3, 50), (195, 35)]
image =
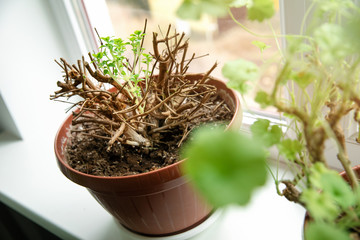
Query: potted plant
[(133, 111), (320, 72)]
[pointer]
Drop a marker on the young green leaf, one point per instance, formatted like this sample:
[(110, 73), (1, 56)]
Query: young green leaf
[(225, 166), (240, 73), (266, 134), (261, 45)]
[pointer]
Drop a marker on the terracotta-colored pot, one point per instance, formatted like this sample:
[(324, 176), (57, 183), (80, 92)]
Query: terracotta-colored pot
[(345, 177), (160, 202)]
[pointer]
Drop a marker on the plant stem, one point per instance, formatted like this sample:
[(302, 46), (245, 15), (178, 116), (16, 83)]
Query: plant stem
[(345, 162)]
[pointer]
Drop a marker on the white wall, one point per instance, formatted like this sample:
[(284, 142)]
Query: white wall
[(29, 43)]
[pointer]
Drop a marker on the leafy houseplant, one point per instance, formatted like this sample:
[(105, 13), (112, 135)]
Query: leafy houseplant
[(135, 111), (320, 72)]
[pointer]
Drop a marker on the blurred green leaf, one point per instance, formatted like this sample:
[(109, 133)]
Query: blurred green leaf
[(257, 9), (240, 73), (215, 8), (225, 166), (316, 171), (320, 205), (322, 231), (189, 10), (266, 134), (338, 189), (330, 39), (290, 148), (260, 10), (352, 32), (263, 99), (329, 194), (296, 45), (303, 78), (330, 182), (193, 9), (330, 9)]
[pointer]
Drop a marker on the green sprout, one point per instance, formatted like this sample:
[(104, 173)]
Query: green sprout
[(112, 61)]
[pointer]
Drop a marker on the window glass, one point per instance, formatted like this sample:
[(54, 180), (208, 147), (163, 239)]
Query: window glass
[(221, 38)]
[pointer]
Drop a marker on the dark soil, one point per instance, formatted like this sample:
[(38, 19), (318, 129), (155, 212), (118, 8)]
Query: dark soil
[(90, 154)]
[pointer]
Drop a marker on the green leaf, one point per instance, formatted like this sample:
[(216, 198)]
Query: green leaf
[(331, 9), (261, 9), (193, 9), (303, 78), (329, 195), (266, 134), (214, 8), (111, 64), (352, 32), (106, 39), (263, 99), (330, 182), (240, 73), (189, 10), (338, 189), (98, 55), (333, 46), (225, 166), (321, 231), (320, 205), (290, 148), (261, 45), (316, 171), (297, 45)]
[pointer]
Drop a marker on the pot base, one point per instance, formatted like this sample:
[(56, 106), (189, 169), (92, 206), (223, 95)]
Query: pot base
[(180, 236)]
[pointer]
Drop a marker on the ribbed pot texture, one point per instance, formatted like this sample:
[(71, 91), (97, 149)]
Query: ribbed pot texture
[(157, 203)]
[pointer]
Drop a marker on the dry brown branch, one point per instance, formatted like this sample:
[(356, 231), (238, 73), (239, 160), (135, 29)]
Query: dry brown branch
[(102, 78), (117, 134), (206, 76)]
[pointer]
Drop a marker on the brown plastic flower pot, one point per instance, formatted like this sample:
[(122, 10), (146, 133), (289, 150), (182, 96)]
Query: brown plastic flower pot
[(160, 202)]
